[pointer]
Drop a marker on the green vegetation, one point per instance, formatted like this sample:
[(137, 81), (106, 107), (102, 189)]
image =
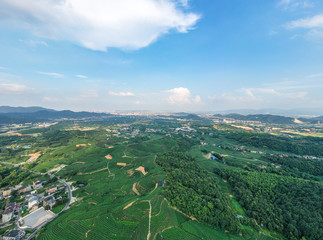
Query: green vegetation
[(283, 204), (195, 180), (194, 191)]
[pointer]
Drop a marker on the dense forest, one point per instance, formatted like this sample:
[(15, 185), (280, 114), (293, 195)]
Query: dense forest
[(301, 145), (194, 191), (287, 205), (310, 166)]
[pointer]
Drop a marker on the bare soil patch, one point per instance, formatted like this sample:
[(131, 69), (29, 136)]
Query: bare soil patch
[(121, 164), (109, 157), (129, 205), (142, 170), (80, 145), (34, 156), (135, 189)]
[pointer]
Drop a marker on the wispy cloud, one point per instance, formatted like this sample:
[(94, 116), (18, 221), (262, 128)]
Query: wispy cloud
[(121, 94), (294, 4), (99, 24), (52, 74), (13, 88), (81, 76), (310, 22), (34, 43)]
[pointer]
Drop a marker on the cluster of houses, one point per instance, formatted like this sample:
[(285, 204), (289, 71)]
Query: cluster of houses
[(31, 198)]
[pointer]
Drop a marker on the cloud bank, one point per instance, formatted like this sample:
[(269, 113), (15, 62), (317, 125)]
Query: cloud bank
[(100, 24)]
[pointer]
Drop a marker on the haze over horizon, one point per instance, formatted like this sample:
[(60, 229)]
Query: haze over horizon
[(170, 55)]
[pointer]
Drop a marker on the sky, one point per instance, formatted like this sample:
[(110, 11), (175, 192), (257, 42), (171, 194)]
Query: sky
[(161, 55)]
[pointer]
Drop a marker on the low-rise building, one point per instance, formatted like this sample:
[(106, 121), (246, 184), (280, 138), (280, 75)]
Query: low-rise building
[(6, 192), (7, 215), (22, 189), (52, 189), (11, 206), (49, 201), (14, 235), (37, 184)]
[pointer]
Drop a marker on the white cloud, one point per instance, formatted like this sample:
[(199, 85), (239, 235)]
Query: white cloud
[(81, 76), (311, 22), (99, 24), (52, 74), (197, 99), (181, 96), (121, 94), (34, 43), (13, 88), (184, 3), (259, 93), (294, 4)]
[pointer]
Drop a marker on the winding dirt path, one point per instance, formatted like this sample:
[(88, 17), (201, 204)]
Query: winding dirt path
[(150, 208), (161, 206), (163, 231), (129, 205)]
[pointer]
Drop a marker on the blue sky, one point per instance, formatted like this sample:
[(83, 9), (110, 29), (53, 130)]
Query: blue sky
[(161, 55)]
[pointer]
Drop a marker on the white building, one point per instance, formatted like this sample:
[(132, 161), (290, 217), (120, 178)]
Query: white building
[(32, 202)]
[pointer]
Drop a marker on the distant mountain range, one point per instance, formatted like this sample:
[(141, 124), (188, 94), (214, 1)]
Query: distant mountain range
[(268, 118), (11, 115), (8, 109), (297, 112)]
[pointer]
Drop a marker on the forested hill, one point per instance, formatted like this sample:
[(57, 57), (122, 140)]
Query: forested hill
[(9, 109), (45, 115), (264, 118)]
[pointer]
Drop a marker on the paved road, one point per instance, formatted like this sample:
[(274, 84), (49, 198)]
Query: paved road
[(60, 180)]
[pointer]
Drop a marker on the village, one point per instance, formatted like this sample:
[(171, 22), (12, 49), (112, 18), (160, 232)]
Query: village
[(26, 207)]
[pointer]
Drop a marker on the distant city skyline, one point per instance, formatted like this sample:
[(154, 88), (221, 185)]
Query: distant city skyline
[(170, 55)]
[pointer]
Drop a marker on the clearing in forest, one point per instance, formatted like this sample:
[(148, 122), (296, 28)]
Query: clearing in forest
[(142, 170), (34, 156), (80, 145), (108, 157), (121, 164), (243, 127)]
